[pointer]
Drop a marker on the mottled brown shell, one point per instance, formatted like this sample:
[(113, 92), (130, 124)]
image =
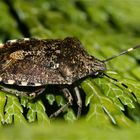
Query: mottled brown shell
[(34, 62)]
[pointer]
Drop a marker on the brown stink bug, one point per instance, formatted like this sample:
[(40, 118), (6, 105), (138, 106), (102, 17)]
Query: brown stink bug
[(36, 63)]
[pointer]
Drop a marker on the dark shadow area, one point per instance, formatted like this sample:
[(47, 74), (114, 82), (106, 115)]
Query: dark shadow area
[(23, 28), (54, 90)]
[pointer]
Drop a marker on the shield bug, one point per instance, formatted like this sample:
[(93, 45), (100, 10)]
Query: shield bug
[(35, 63)]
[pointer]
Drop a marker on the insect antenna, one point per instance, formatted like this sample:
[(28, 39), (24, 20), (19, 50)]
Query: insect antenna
[(124, 85), (115, 56), (122, 53)]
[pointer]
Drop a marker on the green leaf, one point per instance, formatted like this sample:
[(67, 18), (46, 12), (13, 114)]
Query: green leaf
[(13, 111), (70, 115), (60, 100), (131, 86), (119, 96), (102, 109), (2, 105), (136, 72), (37, 112), (41, 114), (50, 98)]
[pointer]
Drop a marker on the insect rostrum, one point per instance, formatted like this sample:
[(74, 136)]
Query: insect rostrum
[(36, 63)]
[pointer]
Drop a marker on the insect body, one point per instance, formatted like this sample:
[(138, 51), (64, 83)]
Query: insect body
[(37, 63)]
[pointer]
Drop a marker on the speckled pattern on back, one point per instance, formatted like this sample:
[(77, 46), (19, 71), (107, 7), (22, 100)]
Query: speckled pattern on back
[(35, 62)]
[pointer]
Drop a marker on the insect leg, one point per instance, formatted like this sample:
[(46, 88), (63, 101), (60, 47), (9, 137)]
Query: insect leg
[(79, 101), (36, 93), (68, 96), (14, 91), (23, 93)]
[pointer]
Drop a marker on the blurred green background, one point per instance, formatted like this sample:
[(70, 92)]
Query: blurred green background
[(105, 28)]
